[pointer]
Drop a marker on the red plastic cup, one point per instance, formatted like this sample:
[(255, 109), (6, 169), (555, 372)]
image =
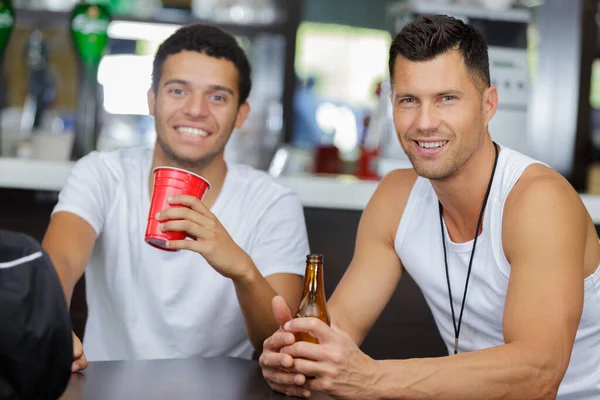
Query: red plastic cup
[(169, 181)]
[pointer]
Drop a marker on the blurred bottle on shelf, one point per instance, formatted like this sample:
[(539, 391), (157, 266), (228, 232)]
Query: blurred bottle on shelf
[(89, 23), (376, 127)]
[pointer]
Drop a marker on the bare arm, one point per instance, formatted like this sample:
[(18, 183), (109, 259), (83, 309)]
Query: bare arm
[(255, 294), (375, 270), (544, 236), (69, 241), (282, 243)]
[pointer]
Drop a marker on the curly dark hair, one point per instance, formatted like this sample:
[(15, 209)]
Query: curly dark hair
[(209, 40), (429, 36)]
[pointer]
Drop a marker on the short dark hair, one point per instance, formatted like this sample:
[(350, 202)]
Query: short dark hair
[(209, 40), (429, 36)]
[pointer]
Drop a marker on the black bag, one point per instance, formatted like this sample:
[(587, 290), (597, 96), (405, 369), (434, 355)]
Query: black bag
[(36, 346)]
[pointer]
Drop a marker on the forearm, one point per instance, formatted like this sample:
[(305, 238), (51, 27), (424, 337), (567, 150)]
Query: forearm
[(65, 276), (255, 295), (512, 371)]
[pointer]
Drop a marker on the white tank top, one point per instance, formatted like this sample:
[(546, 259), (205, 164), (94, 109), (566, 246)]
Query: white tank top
[(419, 246)]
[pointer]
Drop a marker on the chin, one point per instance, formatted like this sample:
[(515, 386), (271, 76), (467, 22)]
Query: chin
[(430, 172)]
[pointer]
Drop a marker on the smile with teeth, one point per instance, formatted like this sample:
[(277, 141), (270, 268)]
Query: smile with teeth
[(432, 145), (187, 130)]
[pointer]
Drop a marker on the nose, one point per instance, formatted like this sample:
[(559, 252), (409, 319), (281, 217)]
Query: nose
[(427, 120), (196, 106)]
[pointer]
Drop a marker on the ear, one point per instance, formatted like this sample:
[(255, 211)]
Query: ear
[(242, 114), (151, 101), (489, 103)]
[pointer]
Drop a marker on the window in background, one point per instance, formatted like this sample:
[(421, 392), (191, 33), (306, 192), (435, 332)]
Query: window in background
[(124, 76), (338, 70)]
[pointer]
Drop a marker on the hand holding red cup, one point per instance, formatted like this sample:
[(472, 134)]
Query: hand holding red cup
[(170, 181)]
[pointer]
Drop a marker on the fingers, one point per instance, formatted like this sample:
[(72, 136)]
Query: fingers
[(279, 339), (273, 368), (77, 347), (199, 246), (314, 326), (185, 214), (80, 364), (281, 311), (306, 350), (190, 227), (192, 202), (304, 367), (275, 360), (79, 359), (282, 377)]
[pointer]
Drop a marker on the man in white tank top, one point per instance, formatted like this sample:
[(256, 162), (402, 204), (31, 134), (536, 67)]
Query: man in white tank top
[(470, 215)]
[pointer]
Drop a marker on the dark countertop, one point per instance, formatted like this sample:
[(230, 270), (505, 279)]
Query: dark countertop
[(193, 378)]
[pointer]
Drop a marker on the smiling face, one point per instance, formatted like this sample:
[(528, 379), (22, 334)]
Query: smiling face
[(441, 113), (195, 108)]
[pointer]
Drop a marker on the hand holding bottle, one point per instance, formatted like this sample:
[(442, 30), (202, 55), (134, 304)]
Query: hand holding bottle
[(310, 346), (276, 365)]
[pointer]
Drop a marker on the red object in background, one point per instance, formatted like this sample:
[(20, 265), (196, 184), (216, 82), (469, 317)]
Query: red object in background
[(170, 181), (365, 168), (367, 157), (327, 160)]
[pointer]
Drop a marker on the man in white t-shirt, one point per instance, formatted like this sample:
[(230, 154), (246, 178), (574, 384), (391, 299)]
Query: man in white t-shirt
[(246, 240)]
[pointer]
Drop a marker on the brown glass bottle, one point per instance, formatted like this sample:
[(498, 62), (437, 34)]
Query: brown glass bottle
[(313, 302)]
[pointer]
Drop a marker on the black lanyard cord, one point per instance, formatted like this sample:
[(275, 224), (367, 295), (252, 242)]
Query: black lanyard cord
[(462, 307)]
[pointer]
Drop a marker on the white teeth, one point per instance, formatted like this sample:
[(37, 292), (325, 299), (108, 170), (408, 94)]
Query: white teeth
[(432, 145), (186, 130)]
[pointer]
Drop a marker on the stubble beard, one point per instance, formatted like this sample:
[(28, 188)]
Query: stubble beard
[(189, 162), (450, 166)]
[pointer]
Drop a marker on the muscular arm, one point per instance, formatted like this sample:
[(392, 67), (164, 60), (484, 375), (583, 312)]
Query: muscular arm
[(69, 241), (375, 270), (544, 231), (255, 294)]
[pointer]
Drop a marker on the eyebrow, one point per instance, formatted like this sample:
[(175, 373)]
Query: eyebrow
[(439, 94), (220, 88), (448, 92), (214, 88)]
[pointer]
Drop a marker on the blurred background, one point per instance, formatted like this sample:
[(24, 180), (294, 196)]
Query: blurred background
[(320, 120), (319, 100)]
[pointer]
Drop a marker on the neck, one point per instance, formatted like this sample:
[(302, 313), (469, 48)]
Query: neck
[(214, 172), (462, 194)]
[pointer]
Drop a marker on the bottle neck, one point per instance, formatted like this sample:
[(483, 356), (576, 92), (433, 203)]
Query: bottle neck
[(313, 279)]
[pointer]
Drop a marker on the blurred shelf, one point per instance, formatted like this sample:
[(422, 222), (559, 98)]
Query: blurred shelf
[(522, 14), (57, 19), (329, 192)]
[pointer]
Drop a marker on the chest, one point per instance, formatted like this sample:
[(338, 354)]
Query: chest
[(422, 255)]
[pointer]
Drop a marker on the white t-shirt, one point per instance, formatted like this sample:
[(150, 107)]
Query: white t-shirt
[(145, 303)]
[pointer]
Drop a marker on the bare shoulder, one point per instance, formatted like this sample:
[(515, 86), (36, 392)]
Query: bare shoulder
[(385, 208), (394, 189), (544, 212), (543, 188)]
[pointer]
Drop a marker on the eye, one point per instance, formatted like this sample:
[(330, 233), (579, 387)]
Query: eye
[(218, 98), (448, 98), (407, 103), (177, 92)]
